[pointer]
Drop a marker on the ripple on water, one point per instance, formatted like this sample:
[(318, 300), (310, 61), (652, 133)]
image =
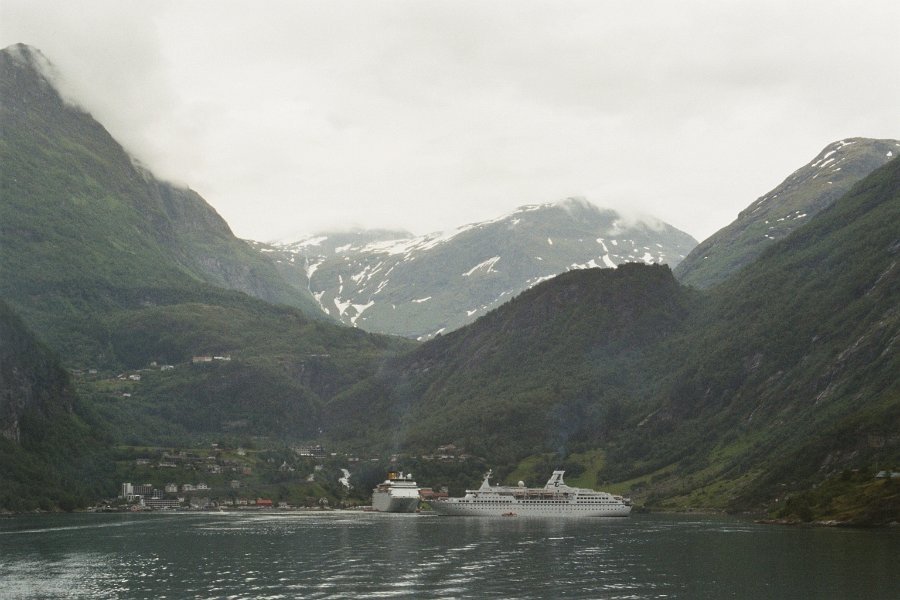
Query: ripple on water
[(247, 556)]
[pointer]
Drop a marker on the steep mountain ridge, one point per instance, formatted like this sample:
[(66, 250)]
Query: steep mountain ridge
[(539, 371), (72, 196), (115, 270), (733, 398), (422, 286), (31, 379), (775, 215), (51, 456), (811, 378)]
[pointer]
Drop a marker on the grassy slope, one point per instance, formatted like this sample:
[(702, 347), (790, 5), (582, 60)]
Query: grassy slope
[(282, 367), (853, 498)]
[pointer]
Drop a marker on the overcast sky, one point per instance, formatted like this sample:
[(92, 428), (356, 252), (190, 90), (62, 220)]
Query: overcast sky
[(291, 117)]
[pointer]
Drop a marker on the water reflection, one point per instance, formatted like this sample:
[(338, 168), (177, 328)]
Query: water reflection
[(340, 555)]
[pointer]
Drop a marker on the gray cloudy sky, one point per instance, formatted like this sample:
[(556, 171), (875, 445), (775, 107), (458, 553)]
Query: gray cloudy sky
[(293, 116)]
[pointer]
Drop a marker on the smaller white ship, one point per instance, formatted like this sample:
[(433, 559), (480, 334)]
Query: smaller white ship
[(398, 494), (555, 499)]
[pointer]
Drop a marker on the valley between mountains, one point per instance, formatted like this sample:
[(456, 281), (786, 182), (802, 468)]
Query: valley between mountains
[(755, 371), (422, 286)]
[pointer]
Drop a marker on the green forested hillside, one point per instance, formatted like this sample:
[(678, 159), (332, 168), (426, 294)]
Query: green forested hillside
[(777, 379), (281, 367), (792, 371), (51, 448), (780, 378), (550, 368), (790, 205), (119, 272), (84, 230)]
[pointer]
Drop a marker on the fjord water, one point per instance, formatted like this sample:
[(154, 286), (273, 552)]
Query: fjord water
[(365, 555)]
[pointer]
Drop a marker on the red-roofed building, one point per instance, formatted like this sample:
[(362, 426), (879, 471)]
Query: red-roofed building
[(429, 494)]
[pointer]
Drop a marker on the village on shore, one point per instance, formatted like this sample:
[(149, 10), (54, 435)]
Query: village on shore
[(221, 478)]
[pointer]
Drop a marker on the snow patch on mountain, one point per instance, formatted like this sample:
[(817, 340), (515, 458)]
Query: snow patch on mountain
[(318, 296), (536, 280), (342, 306), (591, 264), (360, 309), (314, 241), (383, 280), (310, 268), (486, 266)]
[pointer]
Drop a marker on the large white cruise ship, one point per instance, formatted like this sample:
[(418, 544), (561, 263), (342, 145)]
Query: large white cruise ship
[(398, 493), (555, 499)]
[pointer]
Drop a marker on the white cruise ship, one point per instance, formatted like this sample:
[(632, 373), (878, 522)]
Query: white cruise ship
[(555, 499), (398, 493)]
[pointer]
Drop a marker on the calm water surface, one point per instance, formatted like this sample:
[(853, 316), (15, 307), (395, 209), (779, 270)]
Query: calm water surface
[(364, 555)]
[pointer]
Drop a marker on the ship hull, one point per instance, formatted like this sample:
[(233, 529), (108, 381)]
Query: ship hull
[(554, 500), (385, 502), (515, 509)]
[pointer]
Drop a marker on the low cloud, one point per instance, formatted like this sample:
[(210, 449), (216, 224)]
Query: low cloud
[(294, 116)]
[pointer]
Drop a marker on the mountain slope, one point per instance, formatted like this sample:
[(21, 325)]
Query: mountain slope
[(812, 377), (117, 271), (421, 286), (50, 455), (773, 381), (775, 215), (77, 213), (549, 369)]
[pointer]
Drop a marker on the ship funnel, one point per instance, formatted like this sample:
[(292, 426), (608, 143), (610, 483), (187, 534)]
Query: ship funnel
[(556, 480), (486, 484)]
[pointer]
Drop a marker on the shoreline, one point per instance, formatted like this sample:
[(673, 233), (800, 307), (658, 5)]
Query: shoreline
[(755, 518)]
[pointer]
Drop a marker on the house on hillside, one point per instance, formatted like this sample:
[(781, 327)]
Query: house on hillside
[(428, 494), (316, 451)]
